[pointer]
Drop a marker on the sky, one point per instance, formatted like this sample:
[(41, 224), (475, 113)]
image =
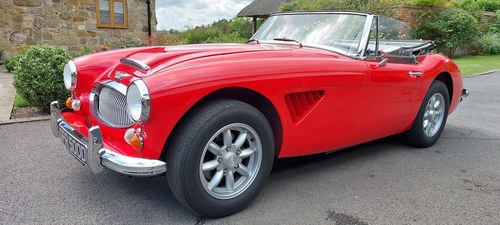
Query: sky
[(180, 14)]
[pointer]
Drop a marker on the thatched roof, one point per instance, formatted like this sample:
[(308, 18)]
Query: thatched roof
[(262, 8)]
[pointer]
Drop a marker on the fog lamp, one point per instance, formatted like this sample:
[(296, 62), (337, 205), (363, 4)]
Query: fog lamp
[(76, 104)]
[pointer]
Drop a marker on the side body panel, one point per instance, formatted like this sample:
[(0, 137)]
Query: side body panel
[(389, 98), (326, 125), (393, 96)]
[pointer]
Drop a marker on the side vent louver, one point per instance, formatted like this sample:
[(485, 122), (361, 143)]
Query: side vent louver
[(301, 103)]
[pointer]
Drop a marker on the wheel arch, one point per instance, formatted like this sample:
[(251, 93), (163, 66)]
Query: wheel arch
[(445, 77), (248, 96)]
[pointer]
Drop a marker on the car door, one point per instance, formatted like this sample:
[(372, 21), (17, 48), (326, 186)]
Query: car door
[(388, 99), (319, 103)]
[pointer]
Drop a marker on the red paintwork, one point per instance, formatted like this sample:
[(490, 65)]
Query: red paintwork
[(361, 101)]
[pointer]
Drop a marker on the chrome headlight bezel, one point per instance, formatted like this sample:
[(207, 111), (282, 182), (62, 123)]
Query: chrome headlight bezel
[(70, 75), (138, 101)]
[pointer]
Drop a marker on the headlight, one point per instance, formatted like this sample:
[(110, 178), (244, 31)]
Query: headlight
[(70, 75), (138, 101)]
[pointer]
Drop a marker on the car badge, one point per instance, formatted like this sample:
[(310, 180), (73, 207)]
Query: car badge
[(120, 75)]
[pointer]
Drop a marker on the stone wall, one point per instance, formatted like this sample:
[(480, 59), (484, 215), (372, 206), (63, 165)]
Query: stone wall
[(408, 14), (69, 24)]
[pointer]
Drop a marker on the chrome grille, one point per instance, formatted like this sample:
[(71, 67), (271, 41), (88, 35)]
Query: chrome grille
[(112, 106)]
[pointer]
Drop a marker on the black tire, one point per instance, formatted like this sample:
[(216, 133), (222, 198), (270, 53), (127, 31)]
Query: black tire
[(417, 136), (188, 149)]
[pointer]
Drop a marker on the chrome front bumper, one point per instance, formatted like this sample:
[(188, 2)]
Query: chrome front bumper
[(94, 155)]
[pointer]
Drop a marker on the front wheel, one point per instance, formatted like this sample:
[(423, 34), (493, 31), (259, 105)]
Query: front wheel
[(220, 157), (431, 118)]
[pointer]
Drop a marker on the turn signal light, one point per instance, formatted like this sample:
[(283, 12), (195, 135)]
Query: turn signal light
[(136, 141), (134, 138), (69, 102)]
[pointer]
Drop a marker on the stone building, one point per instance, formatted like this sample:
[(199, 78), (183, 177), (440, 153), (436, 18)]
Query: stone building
[(74, 24)]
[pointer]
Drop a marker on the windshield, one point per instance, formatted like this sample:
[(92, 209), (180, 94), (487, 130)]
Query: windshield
[(338, 32)]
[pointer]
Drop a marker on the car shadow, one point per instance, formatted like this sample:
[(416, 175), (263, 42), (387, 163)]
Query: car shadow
[(342, 155), (154, 194)]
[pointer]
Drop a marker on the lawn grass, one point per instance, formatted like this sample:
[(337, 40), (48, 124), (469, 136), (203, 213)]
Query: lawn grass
[(471, 65), (20, 102)]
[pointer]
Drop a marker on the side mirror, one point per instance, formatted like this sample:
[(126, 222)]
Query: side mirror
[(383, 63)]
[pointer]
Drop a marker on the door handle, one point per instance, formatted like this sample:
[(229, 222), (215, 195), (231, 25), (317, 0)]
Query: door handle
[(415, 73)]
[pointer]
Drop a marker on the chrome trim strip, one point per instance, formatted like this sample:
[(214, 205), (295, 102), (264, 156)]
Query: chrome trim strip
[(134, 63), (100, 157), (55, 114), (321, 12), (117, 86)]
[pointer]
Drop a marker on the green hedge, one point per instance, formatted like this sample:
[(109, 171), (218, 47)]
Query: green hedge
[(450, 29), (489, 44), (489, 5), (38, 76)]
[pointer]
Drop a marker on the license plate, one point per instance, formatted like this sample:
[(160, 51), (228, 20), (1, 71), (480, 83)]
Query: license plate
[(76, 147)]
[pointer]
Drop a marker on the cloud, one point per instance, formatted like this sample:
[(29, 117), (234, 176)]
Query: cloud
[(180, 14)]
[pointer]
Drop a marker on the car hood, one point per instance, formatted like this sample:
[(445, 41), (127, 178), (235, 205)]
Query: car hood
[(160, 58)]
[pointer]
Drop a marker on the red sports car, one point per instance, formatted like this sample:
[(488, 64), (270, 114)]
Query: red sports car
[(214, 117)]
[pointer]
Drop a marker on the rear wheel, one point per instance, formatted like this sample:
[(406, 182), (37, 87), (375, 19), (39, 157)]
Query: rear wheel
[(220, 157), (431, 118)]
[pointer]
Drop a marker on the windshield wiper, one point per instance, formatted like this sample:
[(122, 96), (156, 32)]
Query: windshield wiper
[(252, 40), (288, 39)]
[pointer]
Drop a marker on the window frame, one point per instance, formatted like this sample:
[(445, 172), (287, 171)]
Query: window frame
[(111, 23)]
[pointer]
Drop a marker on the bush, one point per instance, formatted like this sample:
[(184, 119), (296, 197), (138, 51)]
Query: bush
[(10, 64), (450, 29), (166, 39), (200, 35), (489, 44), (380, 8), (494, 27), (39, 80), (433, 3), (243, 26), (361, 5), (227, 38), (84, 51), (472, 7), (132, 44), (489, 5)]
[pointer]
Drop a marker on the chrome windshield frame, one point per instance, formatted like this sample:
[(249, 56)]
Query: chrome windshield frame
[(365, 38)]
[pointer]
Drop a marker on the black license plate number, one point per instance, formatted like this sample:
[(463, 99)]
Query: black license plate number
[(75, 147)]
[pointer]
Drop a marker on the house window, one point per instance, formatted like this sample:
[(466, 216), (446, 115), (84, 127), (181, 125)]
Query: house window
[(111, 13)]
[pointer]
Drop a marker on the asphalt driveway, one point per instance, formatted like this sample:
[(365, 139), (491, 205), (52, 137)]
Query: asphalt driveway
[(457, 181)]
